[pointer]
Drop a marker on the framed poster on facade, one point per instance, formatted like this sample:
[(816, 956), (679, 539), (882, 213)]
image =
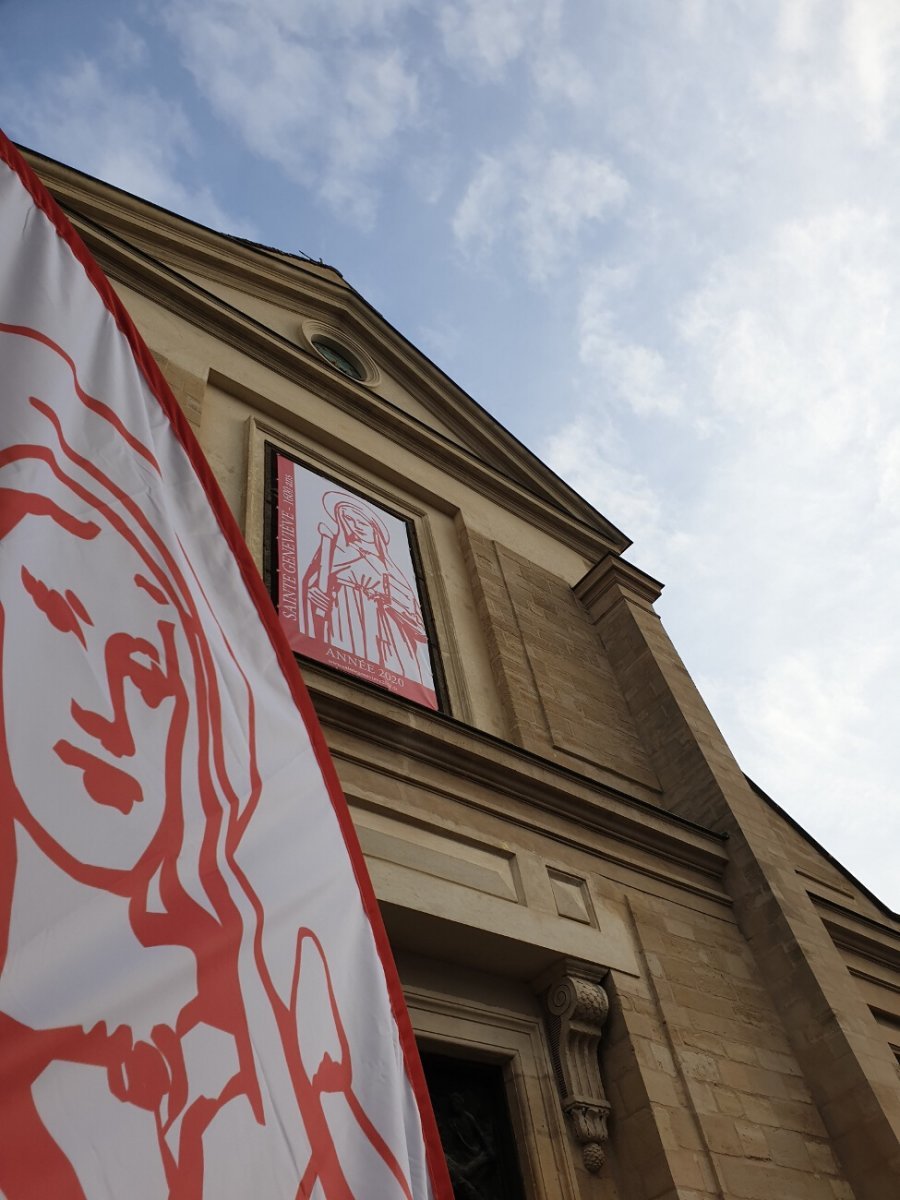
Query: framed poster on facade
[(346, 590)]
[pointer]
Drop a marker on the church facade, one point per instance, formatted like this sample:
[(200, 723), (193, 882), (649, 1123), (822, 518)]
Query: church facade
[(631, 975)]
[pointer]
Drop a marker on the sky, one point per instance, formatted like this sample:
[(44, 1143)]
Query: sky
[(659, 240)]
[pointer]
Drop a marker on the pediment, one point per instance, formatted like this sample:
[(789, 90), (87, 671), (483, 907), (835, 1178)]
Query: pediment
[(284, 296)]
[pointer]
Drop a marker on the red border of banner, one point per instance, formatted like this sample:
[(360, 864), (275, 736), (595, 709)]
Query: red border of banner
[(437, 1169)]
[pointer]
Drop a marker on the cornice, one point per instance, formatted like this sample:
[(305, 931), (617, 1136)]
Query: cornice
[(133, 268), (470, 759), (610, 579), (141, 221), (875, 941)]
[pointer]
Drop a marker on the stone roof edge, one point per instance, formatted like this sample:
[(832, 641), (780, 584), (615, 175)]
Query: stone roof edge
[(469, 419), (160, 282), (820, 849)]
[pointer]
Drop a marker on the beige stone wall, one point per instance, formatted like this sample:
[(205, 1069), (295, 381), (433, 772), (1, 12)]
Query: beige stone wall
[(709, 1096), (560, 695), (844, 1058), (578, 805)]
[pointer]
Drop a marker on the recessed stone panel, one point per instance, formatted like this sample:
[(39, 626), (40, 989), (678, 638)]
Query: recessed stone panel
[(573, 900), (440, 854)]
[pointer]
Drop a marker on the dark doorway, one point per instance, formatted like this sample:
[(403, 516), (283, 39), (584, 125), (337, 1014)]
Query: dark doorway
[(472, 1113)]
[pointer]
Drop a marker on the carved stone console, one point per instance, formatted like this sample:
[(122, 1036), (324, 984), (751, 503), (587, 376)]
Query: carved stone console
[(577, 1007)]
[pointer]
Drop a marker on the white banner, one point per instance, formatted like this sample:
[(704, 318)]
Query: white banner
[(196, 996)]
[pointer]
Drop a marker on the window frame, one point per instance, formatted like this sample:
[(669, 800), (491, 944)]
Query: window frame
[(516, 1041), (261, 514)]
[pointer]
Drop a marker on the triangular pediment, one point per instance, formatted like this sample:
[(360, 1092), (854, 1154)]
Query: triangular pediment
[(283, 300)]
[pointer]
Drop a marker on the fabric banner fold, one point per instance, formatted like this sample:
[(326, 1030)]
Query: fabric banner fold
[(197, 998)]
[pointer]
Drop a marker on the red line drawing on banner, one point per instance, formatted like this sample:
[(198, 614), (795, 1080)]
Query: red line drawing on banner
[(132, 741)]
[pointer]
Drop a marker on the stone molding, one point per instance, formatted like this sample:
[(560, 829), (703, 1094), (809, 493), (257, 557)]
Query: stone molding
[(460, 762), (611, 579), (510, 488)]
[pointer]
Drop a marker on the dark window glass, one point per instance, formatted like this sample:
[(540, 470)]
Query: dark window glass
[(470, 1104), (337, 358)]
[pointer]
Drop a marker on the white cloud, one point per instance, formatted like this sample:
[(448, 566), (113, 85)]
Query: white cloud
[(541, 203), (485, 36), (331, 121), (129, 135), (843, 64), (795, 25), (478, 218), (565, 192), (789, 348), (379, 97), (888, 472), (442, 342), (560, 75), (872, 38), (127, 47), (803, 330), (590, 456), (817, 727), (785, 568), (428, 174), (693, 16), (629, 371)]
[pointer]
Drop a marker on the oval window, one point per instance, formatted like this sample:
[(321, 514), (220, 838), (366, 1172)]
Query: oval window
[(338, 358)]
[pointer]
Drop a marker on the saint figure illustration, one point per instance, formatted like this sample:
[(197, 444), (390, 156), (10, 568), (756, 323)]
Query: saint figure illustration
[(356, 598)]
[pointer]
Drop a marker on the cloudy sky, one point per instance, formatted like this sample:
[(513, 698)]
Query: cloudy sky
[(658, 239)]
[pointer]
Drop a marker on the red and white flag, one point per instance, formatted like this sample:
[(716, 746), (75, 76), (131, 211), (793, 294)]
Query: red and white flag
[(197, 999)]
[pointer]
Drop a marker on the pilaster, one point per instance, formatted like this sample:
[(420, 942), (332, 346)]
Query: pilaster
[(845, 1059)]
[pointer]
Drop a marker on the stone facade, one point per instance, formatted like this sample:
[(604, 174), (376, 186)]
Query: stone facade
[(686, 996)]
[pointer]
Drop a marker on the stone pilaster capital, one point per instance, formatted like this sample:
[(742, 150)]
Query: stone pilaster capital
[(573, 998), (613, 579)]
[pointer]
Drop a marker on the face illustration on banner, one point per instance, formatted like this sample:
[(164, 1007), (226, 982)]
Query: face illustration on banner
[(124, 804), (104, 737), (98, 779), (359, 606)]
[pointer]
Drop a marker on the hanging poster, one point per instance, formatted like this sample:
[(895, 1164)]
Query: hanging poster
[(347, 591)]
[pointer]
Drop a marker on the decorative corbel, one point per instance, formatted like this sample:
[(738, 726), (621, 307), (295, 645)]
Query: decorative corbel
[(577, 1008)]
